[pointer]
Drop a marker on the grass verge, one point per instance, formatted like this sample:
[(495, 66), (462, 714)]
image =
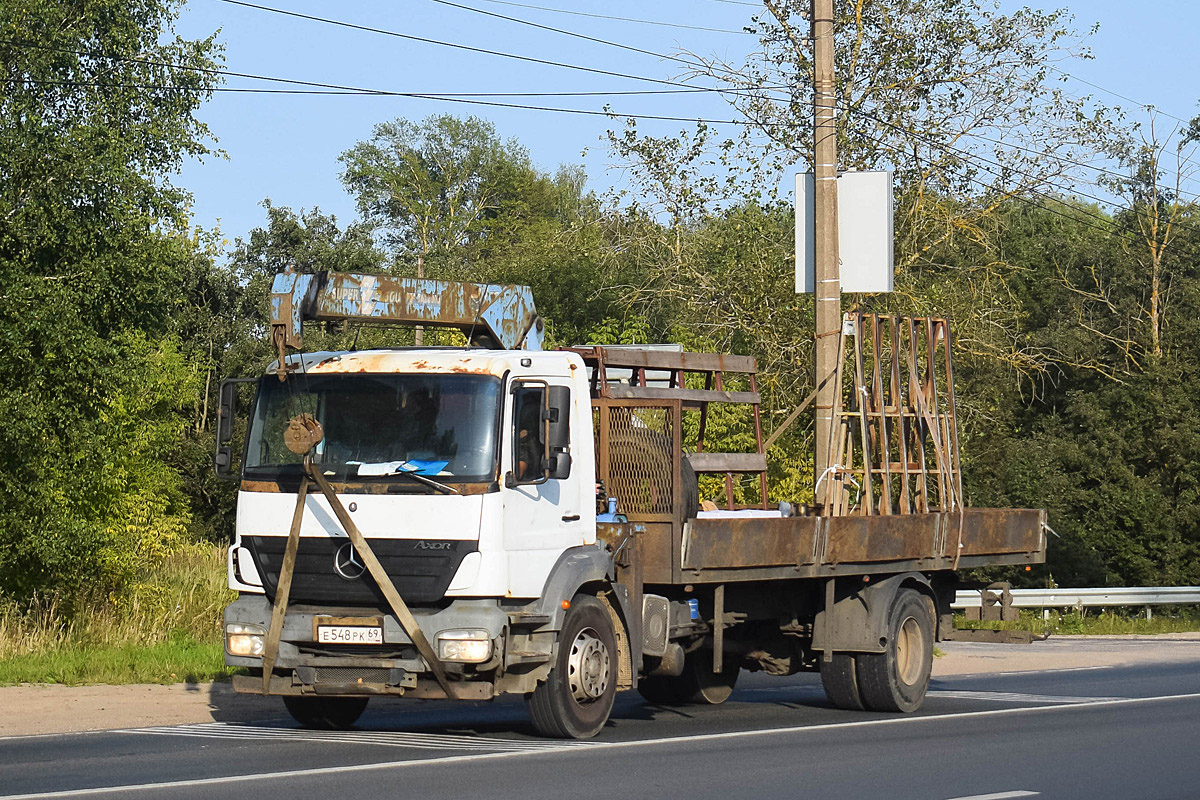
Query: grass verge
[(1105, 623), (165, 630), (184, 660)]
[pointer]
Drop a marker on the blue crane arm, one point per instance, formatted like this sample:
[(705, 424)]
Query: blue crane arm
[(490, 315)]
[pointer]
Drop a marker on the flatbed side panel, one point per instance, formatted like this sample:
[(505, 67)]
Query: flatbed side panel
[(897, 537), (996, 531), (724, 543), (764, 549), (655, 549)]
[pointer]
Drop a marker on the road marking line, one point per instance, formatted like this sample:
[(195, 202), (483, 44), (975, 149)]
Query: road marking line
[(957, 694), (1015, 697), (998, 795), (431, 741), (1047, 671), (566, 747)]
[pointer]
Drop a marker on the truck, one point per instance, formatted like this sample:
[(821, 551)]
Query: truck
[(467, 522)]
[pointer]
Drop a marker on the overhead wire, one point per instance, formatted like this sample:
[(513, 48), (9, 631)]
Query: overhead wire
[(1110, 227), (1126, 98), (454, 45), (347, 91), (978, 161), (1073, 162), (617, 19), (564, 32)]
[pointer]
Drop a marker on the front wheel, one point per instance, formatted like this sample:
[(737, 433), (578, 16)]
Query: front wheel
[(326, 713), (575, 700), (897, 679)]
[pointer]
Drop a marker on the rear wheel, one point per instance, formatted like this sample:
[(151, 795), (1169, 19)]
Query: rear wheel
[(840, 682), (697, 685), (897, 679), (575, 700), (326, 713)]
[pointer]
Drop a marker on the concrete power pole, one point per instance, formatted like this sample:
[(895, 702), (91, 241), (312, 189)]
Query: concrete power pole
[(828, 292)]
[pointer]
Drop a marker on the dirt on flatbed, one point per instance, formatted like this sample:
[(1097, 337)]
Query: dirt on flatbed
[(45, 709)]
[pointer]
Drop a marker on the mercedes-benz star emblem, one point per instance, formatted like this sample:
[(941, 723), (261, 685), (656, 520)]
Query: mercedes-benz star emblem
[(347, 563)]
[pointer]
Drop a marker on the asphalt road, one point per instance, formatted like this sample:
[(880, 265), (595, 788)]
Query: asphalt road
[(1117, 732)]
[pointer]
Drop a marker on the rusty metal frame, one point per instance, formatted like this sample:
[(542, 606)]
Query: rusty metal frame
[(712, 366), (897, 440)]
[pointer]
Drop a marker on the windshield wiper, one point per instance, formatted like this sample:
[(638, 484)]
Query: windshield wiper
[(441, 487)]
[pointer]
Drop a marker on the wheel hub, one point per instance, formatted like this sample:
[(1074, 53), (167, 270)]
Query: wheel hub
[(588, 667), (910, 651)]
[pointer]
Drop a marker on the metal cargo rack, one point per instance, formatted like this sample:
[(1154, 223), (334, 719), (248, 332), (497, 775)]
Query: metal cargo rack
[(891, 503)]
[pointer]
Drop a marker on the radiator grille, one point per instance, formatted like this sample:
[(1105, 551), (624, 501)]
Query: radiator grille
[(349, 676), (420, 569)]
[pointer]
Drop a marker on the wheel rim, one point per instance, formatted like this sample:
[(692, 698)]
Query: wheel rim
[(587, 667), (910, 651)]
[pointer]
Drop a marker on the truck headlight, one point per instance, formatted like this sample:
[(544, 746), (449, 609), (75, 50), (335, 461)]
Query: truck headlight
[(468, 646), (244, 640)]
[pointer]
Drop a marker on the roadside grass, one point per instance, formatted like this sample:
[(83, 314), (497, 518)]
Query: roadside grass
[(1080, 622), (165, 630)]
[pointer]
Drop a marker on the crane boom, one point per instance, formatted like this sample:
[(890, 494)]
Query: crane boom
[(490, 315)]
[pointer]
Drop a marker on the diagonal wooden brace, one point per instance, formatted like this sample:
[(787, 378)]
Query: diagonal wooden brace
[(407, 620), (283, 589)]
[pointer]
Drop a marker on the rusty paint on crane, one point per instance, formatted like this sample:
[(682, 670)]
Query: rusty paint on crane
[(490, 315)]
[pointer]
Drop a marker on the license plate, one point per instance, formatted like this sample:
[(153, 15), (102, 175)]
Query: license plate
[(349, 631)]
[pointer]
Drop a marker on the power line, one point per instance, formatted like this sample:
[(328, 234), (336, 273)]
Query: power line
[(563, 32), (1063, 159), (980, 163), (1119, 95), (1019, 197), (617, 19), (349, 91), (454, 45), (341, 89)]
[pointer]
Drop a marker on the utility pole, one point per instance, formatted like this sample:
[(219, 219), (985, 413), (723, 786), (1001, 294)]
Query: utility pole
[(419, 331), (828, 291)]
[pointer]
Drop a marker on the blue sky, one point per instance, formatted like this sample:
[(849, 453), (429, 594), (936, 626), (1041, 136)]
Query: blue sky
[(285, 147)]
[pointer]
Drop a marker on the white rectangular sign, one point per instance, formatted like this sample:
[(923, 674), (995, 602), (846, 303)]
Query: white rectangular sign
[(865, 232)]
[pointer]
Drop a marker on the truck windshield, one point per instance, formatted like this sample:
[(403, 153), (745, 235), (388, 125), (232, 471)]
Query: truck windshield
[(441, 426)]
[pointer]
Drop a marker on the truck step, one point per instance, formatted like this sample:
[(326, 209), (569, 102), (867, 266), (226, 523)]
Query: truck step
[(525, 657), (527, 620)]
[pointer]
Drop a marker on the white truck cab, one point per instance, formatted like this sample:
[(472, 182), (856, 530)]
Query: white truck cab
[(391, 417)]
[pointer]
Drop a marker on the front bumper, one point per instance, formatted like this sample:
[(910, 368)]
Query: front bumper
[(304, 666)]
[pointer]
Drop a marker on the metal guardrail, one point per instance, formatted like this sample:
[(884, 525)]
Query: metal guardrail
[(1089, 598)]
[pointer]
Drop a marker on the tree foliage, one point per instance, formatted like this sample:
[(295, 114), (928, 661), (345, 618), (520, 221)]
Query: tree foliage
[(1077, 327), (91, 238)]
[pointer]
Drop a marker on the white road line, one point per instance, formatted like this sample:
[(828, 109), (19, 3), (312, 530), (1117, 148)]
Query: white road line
[(1016, 697), (432, 741), (1049, 671), (565, 747), (957, 694), (998, 795)]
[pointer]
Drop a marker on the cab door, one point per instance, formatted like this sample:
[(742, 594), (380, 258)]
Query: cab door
[(541, 511)]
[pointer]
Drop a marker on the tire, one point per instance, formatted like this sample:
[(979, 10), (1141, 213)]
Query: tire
[(697, 685), (840, 682), (575, 700), (326, 713), (897, 679)]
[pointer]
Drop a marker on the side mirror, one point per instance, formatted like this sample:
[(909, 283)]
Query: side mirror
[(226, 412), (558, 432), (558, 414)]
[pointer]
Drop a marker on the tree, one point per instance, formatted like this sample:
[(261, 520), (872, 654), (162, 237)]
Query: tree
[(433, 186), (97, 111)]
